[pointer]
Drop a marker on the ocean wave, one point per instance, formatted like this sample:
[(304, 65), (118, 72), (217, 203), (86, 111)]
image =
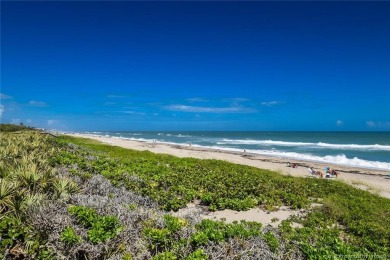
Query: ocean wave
[(341, 159), (180, 135), (135, 139), (319, 145), (262, 142)]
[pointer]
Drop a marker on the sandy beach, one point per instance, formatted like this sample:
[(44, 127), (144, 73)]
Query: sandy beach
[(374, 181)]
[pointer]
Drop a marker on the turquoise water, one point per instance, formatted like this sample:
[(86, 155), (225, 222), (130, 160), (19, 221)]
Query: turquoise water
[(363, 149)]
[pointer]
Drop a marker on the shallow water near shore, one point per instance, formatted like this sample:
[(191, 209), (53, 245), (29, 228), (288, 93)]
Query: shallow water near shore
[(357, 149)]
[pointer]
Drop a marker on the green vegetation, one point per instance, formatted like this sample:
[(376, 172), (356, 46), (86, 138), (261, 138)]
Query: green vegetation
[(69, 196), (13, 128), (218, 231), (26, 179), (69, 236), (100, 228)]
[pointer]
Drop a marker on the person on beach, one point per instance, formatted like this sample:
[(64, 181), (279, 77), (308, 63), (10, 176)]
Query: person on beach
[(294, 165), (330, 173), (314, 172)]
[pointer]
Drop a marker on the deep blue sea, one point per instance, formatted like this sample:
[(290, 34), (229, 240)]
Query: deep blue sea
[(363, 149)]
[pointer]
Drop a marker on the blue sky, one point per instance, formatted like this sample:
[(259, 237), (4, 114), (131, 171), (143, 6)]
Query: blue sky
[(196, 65)]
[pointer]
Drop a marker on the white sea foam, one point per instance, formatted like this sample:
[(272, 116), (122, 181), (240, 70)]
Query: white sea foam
[(337, 159), (262, 142), (180, 135), (319, 145)]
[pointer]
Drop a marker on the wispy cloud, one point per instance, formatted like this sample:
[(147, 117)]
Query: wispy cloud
[(235, 102), (377, 124), (217, 110), (339, 123), (271, 103), (1, 110), (4, 96), (37, 103), (196, 99), (132, 112), (238, 99)]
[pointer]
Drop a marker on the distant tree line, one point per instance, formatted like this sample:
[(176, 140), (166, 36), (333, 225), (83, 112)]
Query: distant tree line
[(14, 128)]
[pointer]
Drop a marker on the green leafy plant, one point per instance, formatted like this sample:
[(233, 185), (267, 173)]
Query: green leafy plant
[(86, 216), (158, 238), (272, 241), (198, 254), (69, 236), (174, 224), (218, 231), (100, 228), (165, 256), (104, 228)]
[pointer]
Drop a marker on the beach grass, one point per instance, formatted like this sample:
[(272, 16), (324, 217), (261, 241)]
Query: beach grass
[(94, 194)]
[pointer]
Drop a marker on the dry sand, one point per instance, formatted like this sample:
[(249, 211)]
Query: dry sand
[(371, 180)]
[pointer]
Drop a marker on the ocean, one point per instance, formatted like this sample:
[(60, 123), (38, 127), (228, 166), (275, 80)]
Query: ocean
[(362, 149)]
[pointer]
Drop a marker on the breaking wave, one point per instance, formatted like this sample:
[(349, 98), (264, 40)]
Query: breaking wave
[(319, 145)]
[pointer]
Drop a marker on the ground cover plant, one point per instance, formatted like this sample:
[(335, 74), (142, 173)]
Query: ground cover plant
[(73, 198), (360, 220)]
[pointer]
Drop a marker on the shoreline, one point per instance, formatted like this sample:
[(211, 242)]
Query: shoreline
[(368, 179)]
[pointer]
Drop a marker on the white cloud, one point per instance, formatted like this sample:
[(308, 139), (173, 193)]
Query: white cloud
[(378, 124), (271, 103), (1, 110), (133, 112), (4, 96), (339, 122), (197, 109), (196, 99), (235, 99), (37, 103)]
